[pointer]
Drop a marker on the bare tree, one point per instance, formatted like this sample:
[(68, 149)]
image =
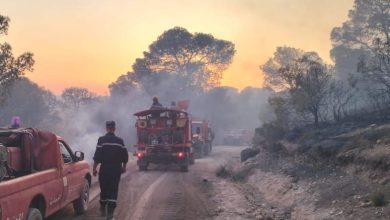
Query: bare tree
[(340, 97), (76, 97)]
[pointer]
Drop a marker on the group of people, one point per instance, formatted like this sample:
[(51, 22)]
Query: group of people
[(111, 158)]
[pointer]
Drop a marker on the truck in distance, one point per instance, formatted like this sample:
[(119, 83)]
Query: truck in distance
[(202, 137)]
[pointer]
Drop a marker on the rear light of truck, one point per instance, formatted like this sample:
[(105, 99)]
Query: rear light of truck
[(180, 154), (140, 155)]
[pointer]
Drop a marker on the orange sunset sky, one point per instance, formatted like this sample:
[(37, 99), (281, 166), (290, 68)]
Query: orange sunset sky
[(89, 43)]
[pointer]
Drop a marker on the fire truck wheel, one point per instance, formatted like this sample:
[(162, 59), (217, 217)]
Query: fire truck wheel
[(34, 214), (206, 149), (200, 152), (184, 168), (142, 167), (81, 204)]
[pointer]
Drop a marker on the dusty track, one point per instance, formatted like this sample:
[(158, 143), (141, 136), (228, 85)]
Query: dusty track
[(163, 192)]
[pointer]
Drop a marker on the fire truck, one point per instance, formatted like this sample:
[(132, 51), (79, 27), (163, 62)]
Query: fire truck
[(163, 137), (202, 137)]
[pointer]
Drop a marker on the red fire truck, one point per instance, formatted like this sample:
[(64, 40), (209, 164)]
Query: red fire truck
[(164, 137), (202, 137)]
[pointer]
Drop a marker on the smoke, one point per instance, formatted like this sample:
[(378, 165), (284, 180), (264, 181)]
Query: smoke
[(83, 127), (224, 107)]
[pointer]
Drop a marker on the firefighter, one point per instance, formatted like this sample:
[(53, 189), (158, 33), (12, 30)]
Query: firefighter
[(112, 156), (174, 106), (156, 104)]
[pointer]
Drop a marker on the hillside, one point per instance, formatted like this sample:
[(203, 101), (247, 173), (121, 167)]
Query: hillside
[(336, 172)]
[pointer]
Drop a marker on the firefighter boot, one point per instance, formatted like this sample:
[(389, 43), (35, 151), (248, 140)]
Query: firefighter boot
[(110, 211), (103, 210)]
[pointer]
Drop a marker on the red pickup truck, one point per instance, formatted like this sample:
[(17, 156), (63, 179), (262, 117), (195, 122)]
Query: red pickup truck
[(39, 175)]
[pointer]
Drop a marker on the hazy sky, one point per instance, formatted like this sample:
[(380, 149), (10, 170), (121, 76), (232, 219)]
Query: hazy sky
[(89, 43)]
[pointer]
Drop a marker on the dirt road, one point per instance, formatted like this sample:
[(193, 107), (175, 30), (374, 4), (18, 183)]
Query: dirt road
[(163, 192)]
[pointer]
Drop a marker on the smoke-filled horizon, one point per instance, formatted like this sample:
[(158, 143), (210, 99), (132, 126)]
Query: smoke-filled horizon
[(224, 107)]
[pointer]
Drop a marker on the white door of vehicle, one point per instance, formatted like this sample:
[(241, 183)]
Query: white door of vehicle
[(70, 175)]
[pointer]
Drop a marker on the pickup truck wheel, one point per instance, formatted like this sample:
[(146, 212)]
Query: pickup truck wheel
[(34, 214), (81, 204)]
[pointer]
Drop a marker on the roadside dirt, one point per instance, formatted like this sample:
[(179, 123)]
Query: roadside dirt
[(285, 188)]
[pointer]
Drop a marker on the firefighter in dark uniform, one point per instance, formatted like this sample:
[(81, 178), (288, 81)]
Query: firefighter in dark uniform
[(112, 156), (156, 104)]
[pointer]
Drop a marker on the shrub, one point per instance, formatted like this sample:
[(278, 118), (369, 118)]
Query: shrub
[(271, 132), (223, 172), (248, 153), (377, 134), (378, 198)]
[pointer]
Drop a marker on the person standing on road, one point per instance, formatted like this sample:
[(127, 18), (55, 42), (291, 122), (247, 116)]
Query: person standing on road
[(112, 156)]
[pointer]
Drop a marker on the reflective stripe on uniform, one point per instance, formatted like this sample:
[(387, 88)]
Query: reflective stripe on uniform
[(108, 200), (112, 144)]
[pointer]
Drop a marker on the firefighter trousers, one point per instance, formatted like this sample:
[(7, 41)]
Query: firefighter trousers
[(109, 183)]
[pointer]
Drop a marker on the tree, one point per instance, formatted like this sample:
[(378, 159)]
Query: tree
[(340, 97), (11, 68), (179, 59), (376, 68), (303, 75), (76, 97), (309, 87), (33, 104), (124, 85), (283, 56), (369, 21)]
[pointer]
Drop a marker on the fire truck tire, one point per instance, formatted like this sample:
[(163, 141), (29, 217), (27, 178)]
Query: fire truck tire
[(205, 150), (80, 205), (184, 168), (186, 164), (201, 151), (142, 167), (34, 214)]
